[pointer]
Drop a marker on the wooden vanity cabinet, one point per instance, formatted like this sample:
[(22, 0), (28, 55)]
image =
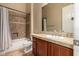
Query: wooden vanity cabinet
[(58, 50), (44, 48), (41, 47), (53, 49), (34, 47), (64, 51)]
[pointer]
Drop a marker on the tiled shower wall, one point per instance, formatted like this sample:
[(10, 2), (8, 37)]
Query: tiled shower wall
[(19, 25)]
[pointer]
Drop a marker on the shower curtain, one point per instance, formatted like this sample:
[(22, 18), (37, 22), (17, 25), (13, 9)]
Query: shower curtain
[(5, 35)]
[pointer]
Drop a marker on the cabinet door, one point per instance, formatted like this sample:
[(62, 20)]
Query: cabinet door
[(54, 49), (58, 50), (34, 46), (41, 47), (64, 51)]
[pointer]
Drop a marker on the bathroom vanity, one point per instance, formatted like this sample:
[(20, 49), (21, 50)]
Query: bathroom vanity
[(46, 46), (55, 30)]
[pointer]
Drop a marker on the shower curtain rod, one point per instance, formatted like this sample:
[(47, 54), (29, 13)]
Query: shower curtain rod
[(13, 9)]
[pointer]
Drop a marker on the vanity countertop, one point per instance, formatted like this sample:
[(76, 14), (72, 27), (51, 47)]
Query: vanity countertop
[(67, 42)]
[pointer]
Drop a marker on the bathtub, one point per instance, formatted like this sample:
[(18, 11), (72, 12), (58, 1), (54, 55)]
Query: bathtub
[(19, 44)]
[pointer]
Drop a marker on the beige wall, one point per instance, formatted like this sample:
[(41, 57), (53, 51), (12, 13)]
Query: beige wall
[(53, 12), (36, 17), (25, 7)]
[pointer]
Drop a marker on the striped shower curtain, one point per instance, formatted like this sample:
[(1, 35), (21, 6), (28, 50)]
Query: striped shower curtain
[(5, 36)]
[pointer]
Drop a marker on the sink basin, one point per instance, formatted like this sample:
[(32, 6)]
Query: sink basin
[(54, 37)]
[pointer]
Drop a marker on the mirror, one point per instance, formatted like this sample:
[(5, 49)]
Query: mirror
[(58, 17)]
